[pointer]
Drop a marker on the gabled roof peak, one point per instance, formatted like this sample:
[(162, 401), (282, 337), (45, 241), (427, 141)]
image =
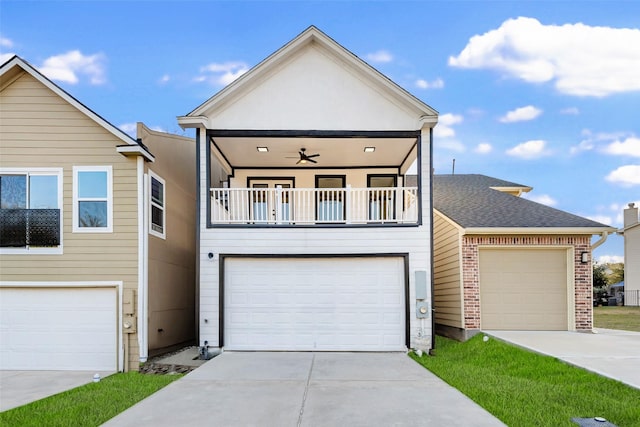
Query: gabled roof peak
[(8, 73), (312, 35)]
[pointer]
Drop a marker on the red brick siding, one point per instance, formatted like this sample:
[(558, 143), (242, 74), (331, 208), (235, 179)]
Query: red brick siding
[(582, 273)]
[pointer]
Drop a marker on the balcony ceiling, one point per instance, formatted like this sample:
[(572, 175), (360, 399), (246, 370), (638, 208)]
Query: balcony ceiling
[(334, 152)]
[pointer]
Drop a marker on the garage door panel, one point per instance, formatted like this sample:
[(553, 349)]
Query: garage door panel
[(523, 289), (320, 304), (58, 328)]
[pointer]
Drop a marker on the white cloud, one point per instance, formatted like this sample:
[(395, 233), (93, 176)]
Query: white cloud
[(525, 49), (585, 145), (164, 79), (610, 259), (68, 66), (443, 129), (483, 148), (626, 176), (222, 73), (603, 219), (381, 56), (529, 150), (572, 111), (4, 57), (614, 143), (5, 42), (451, 144), (629, 147), (129, 128), (435, 84), (521, 114), (544, 199)]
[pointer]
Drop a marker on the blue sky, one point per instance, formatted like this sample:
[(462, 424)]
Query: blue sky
[(541, 93)]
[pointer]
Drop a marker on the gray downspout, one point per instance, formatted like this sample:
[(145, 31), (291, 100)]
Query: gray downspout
[(432, 351)]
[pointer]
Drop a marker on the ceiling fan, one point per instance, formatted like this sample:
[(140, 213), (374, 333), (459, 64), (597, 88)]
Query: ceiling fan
[(305, 158)]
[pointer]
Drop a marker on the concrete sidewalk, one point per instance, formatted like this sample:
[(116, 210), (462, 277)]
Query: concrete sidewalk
[(611, 353), (307, 389), (18, 388)]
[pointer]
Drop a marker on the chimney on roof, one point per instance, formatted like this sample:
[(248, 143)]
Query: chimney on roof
[(630, 215)]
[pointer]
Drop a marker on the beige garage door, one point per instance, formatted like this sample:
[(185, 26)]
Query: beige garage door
[(523, 289)]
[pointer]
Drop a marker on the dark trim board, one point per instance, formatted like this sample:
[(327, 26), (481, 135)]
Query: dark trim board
[(313, 167), (311, 133), (332, 225), (197, 231), (267, 178), (433, 292), (221, 285)]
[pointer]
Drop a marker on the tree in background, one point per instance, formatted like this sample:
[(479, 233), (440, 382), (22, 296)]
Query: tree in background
[(605, 275), (600, 282), (617, 273)]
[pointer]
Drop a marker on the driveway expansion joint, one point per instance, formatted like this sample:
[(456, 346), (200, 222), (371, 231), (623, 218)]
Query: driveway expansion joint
[(306, 391)]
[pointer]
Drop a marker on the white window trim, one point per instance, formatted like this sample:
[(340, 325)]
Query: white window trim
[(39, 171), (162, 235), (109, 228)]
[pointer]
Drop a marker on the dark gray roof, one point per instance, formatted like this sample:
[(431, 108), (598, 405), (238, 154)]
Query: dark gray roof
[(469, 201)]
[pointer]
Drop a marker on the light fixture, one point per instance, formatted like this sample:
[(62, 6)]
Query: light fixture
[(369, 149), (263, 149), (584, 257), (302, 161)]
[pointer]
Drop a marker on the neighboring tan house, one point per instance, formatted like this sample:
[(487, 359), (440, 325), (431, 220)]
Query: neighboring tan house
[(309, 237), (502, 262), (97, 234), (631, 233)]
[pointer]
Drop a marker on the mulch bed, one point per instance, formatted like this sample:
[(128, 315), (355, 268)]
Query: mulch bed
[(155, 365)]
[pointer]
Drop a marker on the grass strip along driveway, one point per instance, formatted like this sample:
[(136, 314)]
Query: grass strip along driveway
[(88, 405), (624, 318), (522, 388)]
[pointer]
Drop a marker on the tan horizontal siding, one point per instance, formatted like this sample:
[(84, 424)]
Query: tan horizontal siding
[(446, 264), (40, 129)]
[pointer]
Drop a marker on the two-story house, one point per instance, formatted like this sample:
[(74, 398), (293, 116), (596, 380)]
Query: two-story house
[(97, 242), (310, 237)]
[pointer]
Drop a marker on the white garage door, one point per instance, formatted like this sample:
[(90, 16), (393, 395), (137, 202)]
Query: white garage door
[(58, 329), (320, 304), (523, 289)]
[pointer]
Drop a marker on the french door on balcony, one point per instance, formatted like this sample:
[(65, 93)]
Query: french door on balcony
[(382, 197), (267, 205), (330, 198)]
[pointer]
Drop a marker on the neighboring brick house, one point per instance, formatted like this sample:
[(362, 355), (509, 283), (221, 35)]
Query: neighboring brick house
[(503, 262)]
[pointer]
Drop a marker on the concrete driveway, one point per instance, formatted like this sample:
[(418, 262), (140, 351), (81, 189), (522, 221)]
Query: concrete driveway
[(18, 388), (611, 353), (307, 389)]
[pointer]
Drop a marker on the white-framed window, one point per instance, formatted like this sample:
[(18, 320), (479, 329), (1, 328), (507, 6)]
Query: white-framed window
[(92, 199), (31, 210), (157, 201)]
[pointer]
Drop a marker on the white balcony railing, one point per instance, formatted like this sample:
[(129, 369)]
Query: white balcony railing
[(308, 206)]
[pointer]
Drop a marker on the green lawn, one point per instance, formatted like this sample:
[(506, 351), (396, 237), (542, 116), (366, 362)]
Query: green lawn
[(89, 405), (625, 318), (522, 388)]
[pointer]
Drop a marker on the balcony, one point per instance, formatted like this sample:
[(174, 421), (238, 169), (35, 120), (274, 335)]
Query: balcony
[(314, 206)]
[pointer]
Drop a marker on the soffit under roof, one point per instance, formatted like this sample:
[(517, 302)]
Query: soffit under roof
[(334, 152)]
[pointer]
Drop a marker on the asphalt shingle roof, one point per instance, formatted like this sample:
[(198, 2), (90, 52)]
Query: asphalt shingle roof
[(469, 201)]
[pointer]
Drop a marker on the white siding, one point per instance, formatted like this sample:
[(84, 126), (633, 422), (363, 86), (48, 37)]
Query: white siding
[(283, 241), (632, 252), (309, 92)]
